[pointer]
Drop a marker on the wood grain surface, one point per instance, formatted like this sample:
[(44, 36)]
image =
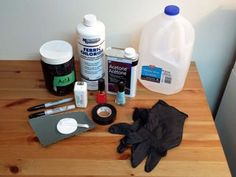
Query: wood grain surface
[(94, 153)]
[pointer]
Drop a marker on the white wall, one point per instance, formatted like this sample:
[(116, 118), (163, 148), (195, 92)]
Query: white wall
[(27, 24)]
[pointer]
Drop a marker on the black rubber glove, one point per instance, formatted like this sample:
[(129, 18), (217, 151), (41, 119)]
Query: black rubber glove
[(141, 145), (172, 122), (140, 117), (160, 129)]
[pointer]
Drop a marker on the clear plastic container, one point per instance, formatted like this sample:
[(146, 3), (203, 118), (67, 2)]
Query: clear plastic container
[(165, 52)]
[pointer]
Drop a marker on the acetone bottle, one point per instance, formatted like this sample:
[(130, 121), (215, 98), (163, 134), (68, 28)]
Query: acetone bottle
[(91, 45), (165, 52)]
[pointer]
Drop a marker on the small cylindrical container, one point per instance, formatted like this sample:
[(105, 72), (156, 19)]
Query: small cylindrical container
[(91, 45), (101, 96), (81, 94), (58, 66), (120, 96)]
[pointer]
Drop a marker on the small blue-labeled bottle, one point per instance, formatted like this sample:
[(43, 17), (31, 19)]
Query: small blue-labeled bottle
[(120, 96)]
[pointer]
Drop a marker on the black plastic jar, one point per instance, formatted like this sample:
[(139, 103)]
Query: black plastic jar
[(58, 66)]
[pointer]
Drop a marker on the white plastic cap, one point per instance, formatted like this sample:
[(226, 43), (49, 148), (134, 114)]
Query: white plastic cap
[(80, 86), (89, 20), (56, 52), (67, 126), (130, 52)]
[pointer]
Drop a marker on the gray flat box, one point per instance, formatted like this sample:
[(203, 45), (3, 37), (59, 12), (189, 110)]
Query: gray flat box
[(45, 127)]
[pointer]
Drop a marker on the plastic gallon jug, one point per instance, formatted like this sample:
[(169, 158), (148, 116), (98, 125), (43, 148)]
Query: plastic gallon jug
[(165, 52), (91, 45)]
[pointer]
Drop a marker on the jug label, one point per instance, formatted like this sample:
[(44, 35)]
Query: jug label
[(155, 74)]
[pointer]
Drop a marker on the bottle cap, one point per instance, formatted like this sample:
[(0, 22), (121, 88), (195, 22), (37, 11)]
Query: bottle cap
[(101, 84), (121, 86), (56, 52), (171, 10), (89, 20), (130, 52)]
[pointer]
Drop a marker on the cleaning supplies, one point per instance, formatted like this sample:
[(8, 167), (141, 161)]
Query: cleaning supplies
[(165, 52), (91, 45)]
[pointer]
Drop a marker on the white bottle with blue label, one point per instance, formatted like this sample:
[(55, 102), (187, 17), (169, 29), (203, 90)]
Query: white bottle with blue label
[(165, 52), (91, 45)]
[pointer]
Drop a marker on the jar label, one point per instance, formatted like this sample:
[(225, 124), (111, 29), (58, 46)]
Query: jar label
[(155, 74), (60, 81)]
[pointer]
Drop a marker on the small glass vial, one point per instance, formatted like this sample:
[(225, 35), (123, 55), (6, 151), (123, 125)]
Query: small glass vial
[(120, 96), (101, 94)]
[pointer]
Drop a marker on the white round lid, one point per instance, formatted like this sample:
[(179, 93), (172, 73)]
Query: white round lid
[(90, 20), (67, 126), (56, 52), (130, 52)]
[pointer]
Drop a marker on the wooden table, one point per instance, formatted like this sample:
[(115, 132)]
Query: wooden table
[(94, 153)]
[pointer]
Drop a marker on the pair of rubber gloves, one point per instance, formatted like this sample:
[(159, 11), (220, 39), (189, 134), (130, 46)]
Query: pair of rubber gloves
[(153, 132)]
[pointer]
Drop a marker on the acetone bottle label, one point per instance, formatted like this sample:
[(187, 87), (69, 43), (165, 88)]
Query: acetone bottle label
[(91, 58)]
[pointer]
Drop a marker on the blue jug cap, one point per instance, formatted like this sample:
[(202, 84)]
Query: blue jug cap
[(171, 10)]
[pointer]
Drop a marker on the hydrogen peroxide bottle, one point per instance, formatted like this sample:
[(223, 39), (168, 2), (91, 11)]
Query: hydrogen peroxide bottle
[(165, 52)]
